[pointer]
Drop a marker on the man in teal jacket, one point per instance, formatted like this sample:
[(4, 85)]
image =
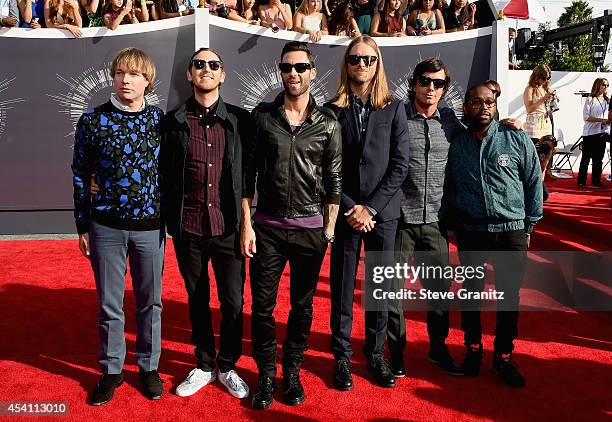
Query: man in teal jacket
[(495, 175)]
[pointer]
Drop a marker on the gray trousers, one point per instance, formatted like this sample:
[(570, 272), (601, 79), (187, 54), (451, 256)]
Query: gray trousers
[(427, 243), (110, 249)]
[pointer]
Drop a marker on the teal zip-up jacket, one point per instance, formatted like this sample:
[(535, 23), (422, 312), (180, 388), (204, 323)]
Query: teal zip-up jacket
[(497, 183)]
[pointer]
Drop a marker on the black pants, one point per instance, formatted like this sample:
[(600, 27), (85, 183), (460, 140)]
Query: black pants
[(593, 148), (193, 253), (345, 254), (428, 243), (507, 251), (304, 249)]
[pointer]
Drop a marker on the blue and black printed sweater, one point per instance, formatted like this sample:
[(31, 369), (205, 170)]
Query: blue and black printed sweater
[(122, 149)]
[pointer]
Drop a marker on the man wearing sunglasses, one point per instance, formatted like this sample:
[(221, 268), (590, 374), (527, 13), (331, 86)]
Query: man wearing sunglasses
[(374, 166), (495, 175), (422, 230), (296, 159), (201, 181)]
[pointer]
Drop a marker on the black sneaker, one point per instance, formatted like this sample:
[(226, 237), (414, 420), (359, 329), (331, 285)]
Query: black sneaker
[(153, 386), (103, 392), (397, 366), (473, 360), (382, 373), (506, 368), (343, 380), (263, 395), (440, 356), (293, 389)]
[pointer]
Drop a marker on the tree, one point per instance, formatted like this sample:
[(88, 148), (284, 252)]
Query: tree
[(577, 53)]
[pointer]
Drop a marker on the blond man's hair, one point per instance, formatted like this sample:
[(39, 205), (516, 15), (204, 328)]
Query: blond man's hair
[(380, 95), (133, 59)]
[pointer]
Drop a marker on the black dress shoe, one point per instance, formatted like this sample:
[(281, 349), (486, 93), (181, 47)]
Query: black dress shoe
[(343, 380), (263, 395), (103, 392), (382, 373), (440, 356), (293, 389), (152, 384), (505, 367), (473, 360), (397, 366)]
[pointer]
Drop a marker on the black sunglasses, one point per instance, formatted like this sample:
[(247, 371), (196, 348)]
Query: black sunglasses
[(438, 83), (212, 64), (477, 103), (299, 67), (354, 60)]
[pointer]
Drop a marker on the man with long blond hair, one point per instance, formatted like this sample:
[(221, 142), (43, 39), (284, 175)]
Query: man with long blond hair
[(119, 144), (374, 166)]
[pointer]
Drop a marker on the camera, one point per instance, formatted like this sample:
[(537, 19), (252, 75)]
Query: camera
[(222, 11)]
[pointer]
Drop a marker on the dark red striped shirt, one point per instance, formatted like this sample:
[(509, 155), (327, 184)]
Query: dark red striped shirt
[(202, 213)]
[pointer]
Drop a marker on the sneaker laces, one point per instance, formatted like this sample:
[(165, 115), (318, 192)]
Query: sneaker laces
[(193, 376), (233, 380)]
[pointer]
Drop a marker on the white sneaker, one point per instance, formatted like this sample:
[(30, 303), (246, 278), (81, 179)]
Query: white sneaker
[(196, 379), (235, 385)]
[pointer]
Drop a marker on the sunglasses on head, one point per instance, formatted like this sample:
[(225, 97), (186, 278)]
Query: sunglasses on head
[(299, 67), (212, 64), (354, 60), (438, 83)]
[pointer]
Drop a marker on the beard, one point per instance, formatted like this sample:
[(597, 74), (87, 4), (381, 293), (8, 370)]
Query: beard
[(293, 91), (205, 89)]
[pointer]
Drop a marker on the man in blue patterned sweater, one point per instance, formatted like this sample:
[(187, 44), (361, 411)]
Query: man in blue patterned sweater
[(118, 216)]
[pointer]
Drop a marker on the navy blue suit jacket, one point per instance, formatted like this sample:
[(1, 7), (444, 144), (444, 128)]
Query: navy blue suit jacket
[(373, 175)]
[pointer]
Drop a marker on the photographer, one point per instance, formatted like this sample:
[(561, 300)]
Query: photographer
[(536, 98), (595, 132)]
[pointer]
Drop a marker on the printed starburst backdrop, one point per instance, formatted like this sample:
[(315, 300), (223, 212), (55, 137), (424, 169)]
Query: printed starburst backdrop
[(89, 89), (6, 104), (258, 83)]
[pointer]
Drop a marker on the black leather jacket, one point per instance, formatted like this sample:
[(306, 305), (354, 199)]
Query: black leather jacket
[(295, 174)]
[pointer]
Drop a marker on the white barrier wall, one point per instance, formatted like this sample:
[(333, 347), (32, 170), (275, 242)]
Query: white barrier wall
[(568, 120)]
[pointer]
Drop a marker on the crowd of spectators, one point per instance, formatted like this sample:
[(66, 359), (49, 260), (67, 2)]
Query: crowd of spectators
[(379, 18)]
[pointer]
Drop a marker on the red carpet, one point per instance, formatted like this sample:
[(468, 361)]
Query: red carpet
[(49, 344)]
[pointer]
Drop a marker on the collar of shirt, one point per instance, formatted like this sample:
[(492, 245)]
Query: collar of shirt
[(359, 103), (204, 112), (117, 104), (413, 114)]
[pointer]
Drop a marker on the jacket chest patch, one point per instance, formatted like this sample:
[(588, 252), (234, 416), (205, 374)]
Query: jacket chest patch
[(503, 160)]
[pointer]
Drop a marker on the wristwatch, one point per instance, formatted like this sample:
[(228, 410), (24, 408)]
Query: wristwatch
[(328, 239)]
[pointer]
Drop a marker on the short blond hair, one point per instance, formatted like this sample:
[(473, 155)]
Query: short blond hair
[(133, 59)]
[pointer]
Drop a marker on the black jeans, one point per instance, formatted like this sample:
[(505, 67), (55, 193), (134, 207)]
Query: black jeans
[(193, 253), (304, 249), (345, 254), (593, 148), (428, 243), (507, 251)]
